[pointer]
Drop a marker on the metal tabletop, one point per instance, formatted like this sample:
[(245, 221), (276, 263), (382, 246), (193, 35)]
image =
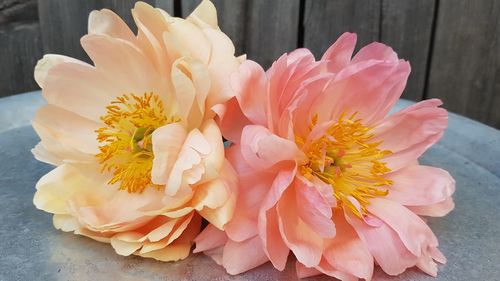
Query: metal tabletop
[(32, 249)]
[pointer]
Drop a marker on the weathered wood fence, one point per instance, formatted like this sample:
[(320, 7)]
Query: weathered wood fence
[(453, 45)]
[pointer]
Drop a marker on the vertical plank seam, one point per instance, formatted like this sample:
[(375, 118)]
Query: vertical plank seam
[(380, 20), (430, 50), (177, 8), (246, 12), (300, 28)]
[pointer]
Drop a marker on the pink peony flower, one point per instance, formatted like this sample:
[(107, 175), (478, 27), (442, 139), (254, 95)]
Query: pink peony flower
[(139, 157), (325, 172)]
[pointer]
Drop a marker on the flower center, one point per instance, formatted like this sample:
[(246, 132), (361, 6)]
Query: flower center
[(346, 158), (126, 139)]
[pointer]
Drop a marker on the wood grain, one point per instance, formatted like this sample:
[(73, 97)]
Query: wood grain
[(325, 21), (20, 48), (18, 10), (271, 29), (465, 68), (407, 27)]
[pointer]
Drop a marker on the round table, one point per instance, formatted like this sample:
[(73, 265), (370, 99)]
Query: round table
[(32, 249)]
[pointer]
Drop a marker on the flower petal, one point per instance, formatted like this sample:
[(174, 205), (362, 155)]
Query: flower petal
[(304, 242), (384, 244), (411, 188), (167, 143), (339, 54), (410, 132), (251, 249)]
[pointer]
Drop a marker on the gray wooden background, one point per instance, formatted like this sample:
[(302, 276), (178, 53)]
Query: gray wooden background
[(452, 45)]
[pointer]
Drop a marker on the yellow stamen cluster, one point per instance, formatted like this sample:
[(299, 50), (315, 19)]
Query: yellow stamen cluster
[(126, 139), (347, 159)]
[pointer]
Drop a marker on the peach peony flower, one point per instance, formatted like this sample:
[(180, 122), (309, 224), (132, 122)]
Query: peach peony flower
[(138, 155), (325, 172)]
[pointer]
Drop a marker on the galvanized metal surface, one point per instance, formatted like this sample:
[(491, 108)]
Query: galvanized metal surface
[(31, 249)]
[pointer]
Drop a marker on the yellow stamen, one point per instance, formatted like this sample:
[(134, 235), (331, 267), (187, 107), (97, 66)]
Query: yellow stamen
[(126, 139), (347, 159)]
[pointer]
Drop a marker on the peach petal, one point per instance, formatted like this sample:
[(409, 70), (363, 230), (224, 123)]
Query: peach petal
[(107, 22), (48, 61), (65, 223), (205, 15), (214, 161), (68, 128), (221, 65), (167, 143), (189, 157), (124, 248)]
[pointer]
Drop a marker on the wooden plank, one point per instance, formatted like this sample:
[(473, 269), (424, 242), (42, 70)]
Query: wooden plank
[(63, 23), (271, 29), (465, 67), (407, 28), (231, 17), (20, 48), (167, 5), (326, 20), (18, 10)]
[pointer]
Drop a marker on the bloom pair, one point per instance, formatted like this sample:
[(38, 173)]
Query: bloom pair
[(316, 166)]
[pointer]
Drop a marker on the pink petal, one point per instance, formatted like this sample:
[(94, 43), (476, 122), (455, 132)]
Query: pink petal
[(262, 149), (253, 187), (305, 272), (339, 54), (420, 185), (369, 88), (375, 51), (274, 246), (347, 252), (412, 230), (384, 244), (210, 238), (239, 257), (231, 120), (250, 86), (410, 132), (304, 242), (314, 210), (440, 209)]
